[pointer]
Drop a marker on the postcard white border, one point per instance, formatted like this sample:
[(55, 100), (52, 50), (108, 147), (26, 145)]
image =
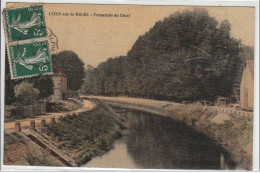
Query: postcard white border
[(249, 3)]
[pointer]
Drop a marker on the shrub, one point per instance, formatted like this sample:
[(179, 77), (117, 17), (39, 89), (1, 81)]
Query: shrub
[(104, 146), (73, 94), (35, 159), (118, 135), (12, 139), (26, 94)]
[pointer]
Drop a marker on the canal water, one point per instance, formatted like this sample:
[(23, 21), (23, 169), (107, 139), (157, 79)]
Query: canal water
[(157, 142)]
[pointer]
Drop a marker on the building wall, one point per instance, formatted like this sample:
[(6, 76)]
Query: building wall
[(251, 92), (64, 88), (247, 89), (60, 88)]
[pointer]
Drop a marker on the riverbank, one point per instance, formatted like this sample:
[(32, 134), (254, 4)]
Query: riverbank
[(81, 135), (20, 150), (235, 134), (85, 135)]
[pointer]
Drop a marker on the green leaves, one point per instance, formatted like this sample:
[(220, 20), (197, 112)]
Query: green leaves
[(26, 94), (72, 66), (187, 56), (44, 84), (85, 131)]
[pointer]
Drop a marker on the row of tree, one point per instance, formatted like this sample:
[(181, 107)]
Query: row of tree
[(187, 56)]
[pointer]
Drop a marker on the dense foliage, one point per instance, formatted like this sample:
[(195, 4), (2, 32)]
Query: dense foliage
[(44, 84), (187, 56), (248, 52), (26, 94), (72, 66)]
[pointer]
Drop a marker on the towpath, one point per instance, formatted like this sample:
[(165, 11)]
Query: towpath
[(25, 123)]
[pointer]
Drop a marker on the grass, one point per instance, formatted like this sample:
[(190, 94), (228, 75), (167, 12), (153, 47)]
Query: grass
[(13, 138), (235, 133), (35, 159), (86, 135), (18, 150)]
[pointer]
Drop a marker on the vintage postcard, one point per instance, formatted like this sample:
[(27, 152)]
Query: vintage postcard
[(129, 86)]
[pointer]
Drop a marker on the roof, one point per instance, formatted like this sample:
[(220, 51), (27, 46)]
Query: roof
[(57, 71), (250, 64)]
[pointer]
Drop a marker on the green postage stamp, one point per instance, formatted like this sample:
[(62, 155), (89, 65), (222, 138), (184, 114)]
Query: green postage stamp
[(25, 23), (27, 41), (30, 59)]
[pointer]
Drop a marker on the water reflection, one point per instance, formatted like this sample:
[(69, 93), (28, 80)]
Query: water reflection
[(160, 142), (115, 158)]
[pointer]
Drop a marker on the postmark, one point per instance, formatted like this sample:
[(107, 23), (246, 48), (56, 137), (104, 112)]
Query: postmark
[(30, 59), (53, 41), (25, 23)]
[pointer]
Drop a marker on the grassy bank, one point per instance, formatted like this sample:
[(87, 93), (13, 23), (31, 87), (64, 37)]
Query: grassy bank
[(235, 134), (21, 151), (85, 135)]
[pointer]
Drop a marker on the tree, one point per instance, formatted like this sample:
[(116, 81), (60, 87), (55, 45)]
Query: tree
[(73, 68), (88, 85), (44, 84), (196, 57), (26, 94), (248, 52), (187, 56)]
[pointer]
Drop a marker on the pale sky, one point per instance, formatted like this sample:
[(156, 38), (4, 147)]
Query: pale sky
[(95, 39)]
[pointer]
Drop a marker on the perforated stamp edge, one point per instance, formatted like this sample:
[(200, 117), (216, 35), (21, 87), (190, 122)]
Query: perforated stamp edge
[(31, 75), (5, 10), (7, 43)]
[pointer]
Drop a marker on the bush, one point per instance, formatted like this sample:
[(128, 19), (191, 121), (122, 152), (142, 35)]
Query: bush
[(35, 159), (12, 139), (73, 94), (26, 94)]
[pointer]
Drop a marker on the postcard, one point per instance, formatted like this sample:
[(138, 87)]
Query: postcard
[(129, 86)]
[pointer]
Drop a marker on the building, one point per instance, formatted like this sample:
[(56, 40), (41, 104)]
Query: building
[(247, 86), (60, 85)]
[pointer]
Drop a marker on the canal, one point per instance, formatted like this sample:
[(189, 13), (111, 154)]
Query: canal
[(157, 142)]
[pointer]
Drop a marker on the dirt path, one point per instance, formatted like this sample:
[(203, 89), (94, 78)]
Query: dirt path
[(141, 101), (25, 123)]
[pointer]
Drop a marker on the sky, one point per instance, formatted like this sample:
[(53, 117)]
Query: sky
[(95, 39)]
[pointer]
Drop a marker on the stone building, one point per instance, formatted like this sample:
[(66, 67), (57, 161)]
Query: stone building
[(60, 85), (247, 86)]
